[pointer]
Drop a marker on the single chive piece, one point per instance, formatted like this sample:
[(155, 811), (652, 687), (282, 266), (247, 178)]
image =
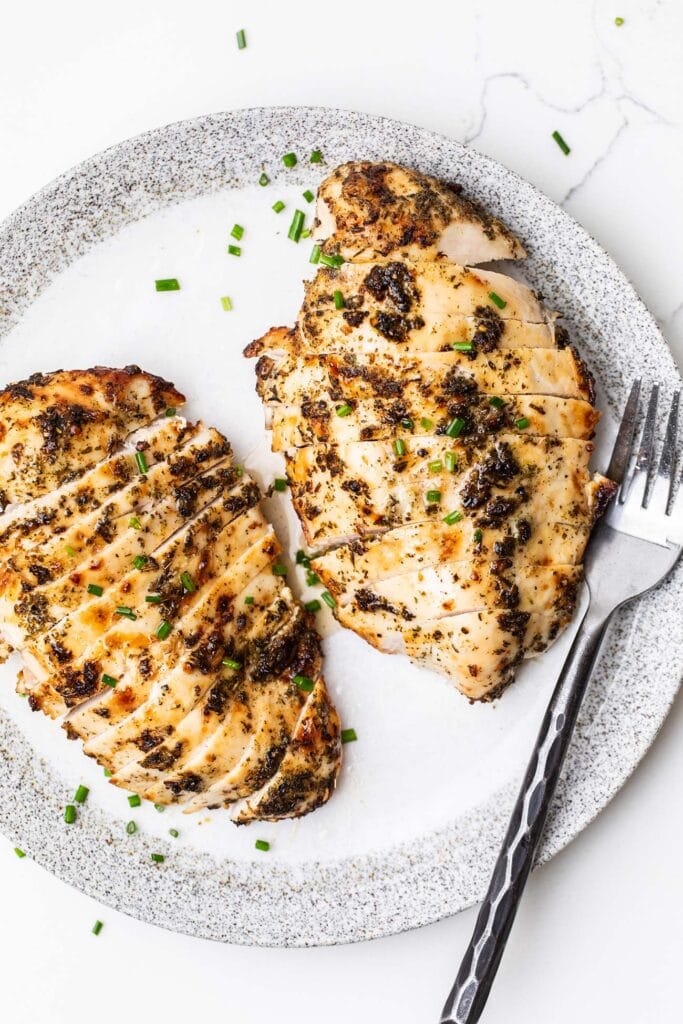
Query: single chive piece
[(81, 794), (407, 423), (332, 261), (231, 663), (399, 446), (239, 471), (426, 423), (109, 680), (249, 600), (170, 411), (141, 460), (153, 598), (167, 284), (433, 497), (313, 606), (278, 206), (234, 250), (19, 853), (164, 630), (71, 552), (303, 682), (160, 808), (522, 423), (497, 301), (107, 773), (308, 196), (349, 735), (279, 569), (241, 39), (316, 157), (297, 226), (140, 561), (135, 523), (496, 402), (454, 428), (69, 814), (97, 927), (477, 536), (618, 22), (134, 800), (131, 828), (561, 143), (95, 589), (312, 578), (450, 461), (306, 233), (328, 599), (261, 844), (315, 254), (158, 858), (188, 583), (435, 467), (302, 558), (126, 612), (289, 159), (173, 832), (338, 300), (264, 179), (462, 346), (279, 484), (237, 232), (452, 517), (226, 303), (344, 410)]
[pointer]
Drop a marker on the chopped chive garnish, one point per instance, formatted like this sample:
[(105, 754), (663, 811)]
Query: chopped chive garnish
[(170, 411), (153, 598), (160, 808), (69, 814), (81, 795), (241, 39), (261, 844), (332, 261), (131, 828), (135, 523), (164, 629), (306, 233), (279, 484), (109, 680), (315, 254), (313, 606), (107, 773), (71, 552), (167, 284), (239, 471), (126, 612), (433, 497), (173, 832), (237, 232), (328, 599), (234, 250), (618, 22), (134, 800), (338, 300), (279, 569), (188, 583), (452, 517), (435, 467), (264, 179), (399, 446), (407, 423), (95, 589), (454, 428), (302, 558), (158, 858), (348, 735), (97, 927), (344, 410), (462, 346), (303, 682), (497, 301), (561, 143), (231, 663), (278, 206), (226, 303), (297, 226), (19, 853), (522, 423), (477, 536), (140, 561), (312, 578), (497, 402), (426, 423), (141, 460), (316, 156), (289, 159), (249, 600), (308, 196), (450, 461)]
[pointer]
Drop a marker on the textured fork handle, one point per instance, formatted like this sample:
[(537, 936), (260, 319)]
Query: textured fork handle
[(482, 958)]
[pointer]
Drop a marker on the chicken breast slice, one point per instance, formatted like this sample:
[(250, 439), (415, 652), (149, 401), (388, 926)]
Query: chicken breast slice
[(369, 210), (57, 425)]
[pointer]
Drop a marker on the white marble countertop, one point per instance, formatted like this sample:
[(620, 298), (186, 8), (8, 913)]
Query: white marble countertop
[(599, 935)]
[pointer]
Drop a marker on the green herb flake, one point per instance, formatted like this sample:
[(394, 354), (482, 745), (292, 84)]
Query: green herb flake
[(226, 303), (315, 254), (497, 301), (141, 460), (297, 226), (496, 402), (452, 517), (264, 179), (308, 195), (237, 232), (344, 410), (131, 828), (304, 683), (135, 523), (426, 423), (313, 606), (462, 346), (279, 484), (289, 159), (158, 858), (167, 284), (81, 795), (278, 206), (399, 447), (134, 800), (95, 589), (454, 428), (231, 663), (109, 680), (561, 143), (332, 261), (349, 735), (234, 250), (328, 599), (279, 569), (241, 37), (97, 927), (338, 300), (522, 423), (69, 814), (316, 157), (262, 845), (450, 460), (20, 853), (126, 613), (173, 832), (164, 630), (189, 585)]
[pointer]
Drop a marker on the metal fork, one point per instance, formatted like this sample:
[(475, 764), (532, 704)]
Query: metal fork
[(632, 550)]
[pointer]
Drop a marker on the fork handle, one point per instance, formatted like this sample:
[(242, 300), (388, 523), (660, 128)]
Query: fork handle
[(485, 950)]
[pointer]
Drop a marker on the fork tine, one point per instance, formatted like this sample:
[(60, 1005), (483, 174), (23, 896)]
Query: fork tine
[(621, 453), (646, 448), (662, 489)]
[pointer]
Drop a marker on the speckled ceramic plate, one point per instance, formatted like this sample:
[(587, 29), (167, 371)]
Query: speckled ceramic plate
[(424, 794)]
